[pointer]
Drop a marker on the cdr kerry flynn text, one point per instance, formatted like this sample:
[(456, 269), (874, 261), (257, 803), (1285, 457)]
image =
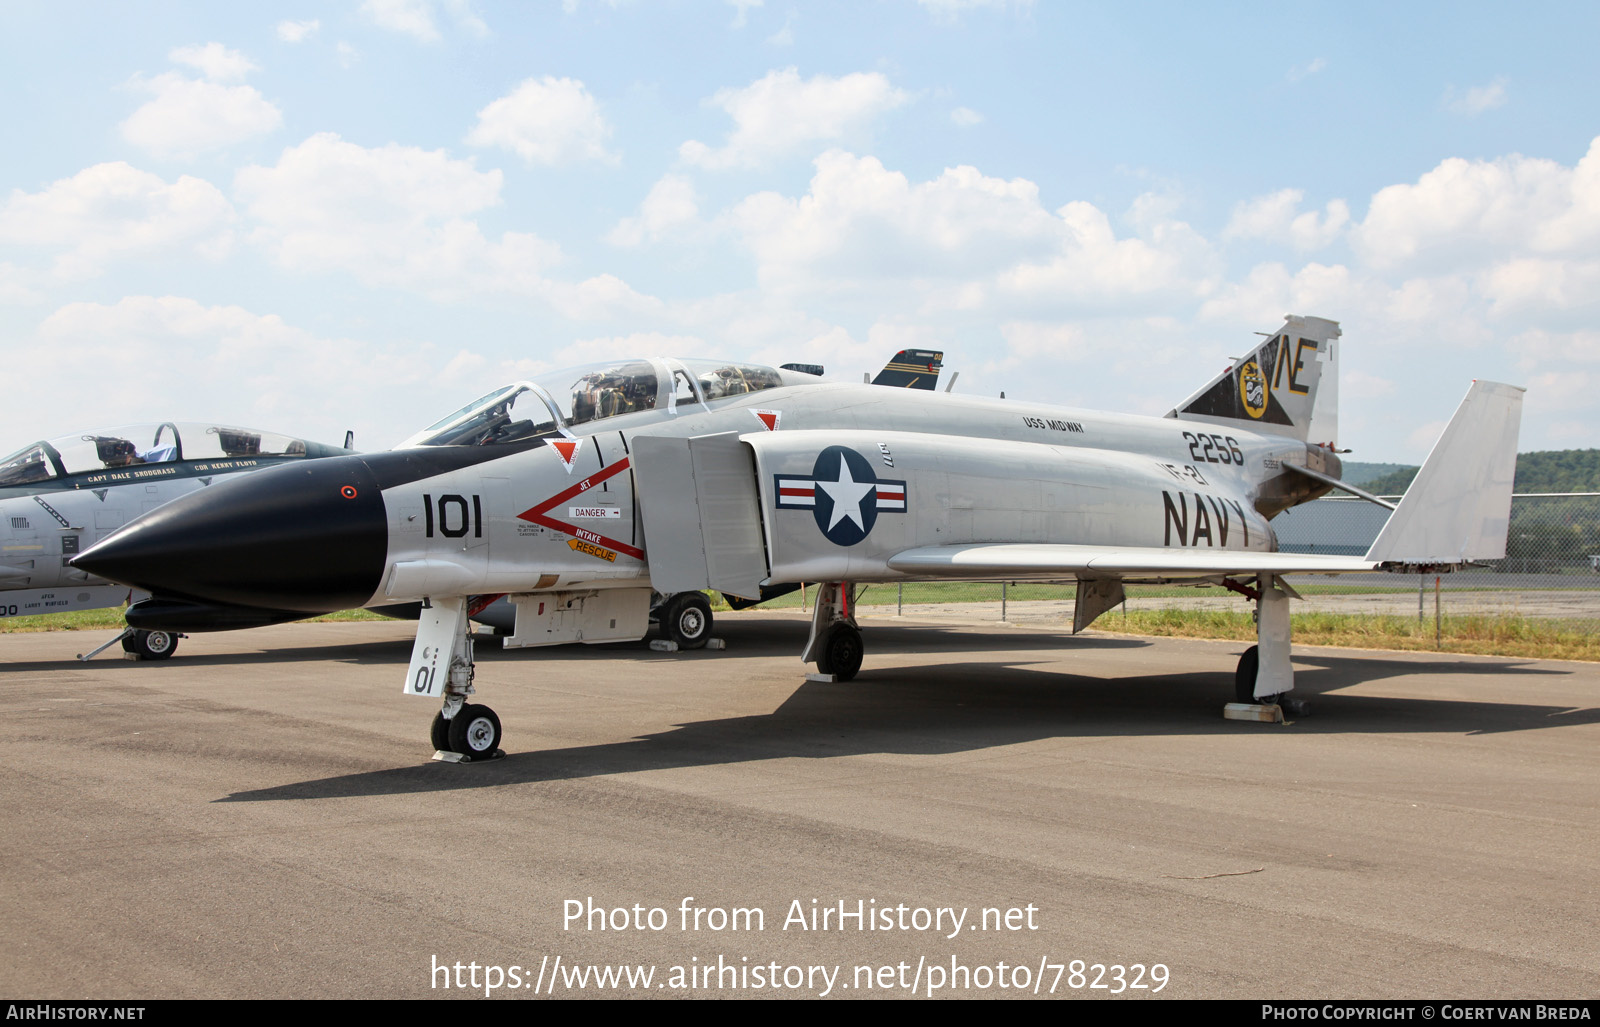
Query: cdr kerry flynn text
[(843, 915)]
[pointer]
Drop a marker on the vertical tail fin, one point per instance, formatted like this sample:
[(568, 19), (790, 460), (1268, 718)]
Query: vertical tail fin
[(1274, 388), (912, 369)]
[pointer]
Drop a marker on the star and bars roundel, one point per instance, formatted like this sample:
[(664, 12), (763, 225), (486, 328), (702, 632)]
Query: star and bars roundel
[(842, 493)]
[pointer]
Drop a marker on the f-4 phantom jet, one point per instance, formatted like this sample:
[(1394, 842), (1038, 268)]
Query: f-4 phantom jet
[(581, 494), (59, 496), (685, 618)]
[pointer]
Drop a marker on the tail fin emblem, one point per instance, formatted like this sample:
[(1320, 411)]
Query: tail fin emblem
[(1252, 389)]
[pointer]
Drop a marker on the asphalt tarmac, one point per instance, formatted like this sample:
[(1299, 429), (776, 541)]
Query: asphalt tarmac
[(258, 818)]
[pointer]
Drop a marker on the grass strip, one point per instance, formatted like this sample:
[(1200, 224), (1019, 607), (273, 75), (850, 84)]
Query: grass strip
[(1479, 634)]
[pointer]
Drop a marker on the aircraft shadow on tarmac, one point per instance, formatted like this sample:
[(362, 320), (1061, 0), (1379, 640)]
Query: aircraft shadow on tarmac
[(959, 707)]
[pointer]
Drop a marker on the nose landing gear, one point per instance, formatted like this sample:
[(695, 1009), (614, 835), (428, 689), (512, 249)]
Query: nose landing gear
[(441, 665)]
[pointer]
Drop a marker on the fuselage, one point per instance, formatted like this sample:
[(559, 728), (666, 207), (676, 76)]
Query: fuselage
[(966, 470), (560, 510)]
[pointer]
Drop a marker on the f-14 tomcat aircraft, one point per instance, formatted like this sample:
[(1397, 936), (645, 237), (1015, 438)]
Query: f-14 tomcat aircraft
[(579, 494), (59, 496)]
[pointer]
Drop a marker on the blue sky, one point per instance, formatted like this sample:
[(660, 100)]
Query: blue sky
[(313, 217)]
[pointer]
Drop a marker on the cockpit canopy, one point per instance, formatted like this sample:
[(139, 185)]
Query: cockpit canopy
[(133, 445), (564, 399)]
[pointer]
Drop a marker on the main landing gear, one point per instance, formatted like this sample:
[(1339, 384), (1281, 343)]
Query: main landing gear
[(835, 641), (1244, 676), (685, 618), (1264, 675)]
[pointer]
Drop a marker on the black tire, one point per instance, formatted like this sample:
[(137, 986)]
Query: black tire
[(1244, 677), (686, 620), (475, 732), (841, 652), (440, 733), (151, 645)]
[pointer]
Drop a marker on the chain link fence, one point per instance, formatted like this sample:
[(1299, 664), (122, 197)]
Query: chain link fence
[(1551, 572)]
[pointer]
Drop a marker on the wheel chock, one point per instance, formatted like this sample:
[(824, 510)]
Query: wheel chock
[(1271, 713), (442, 756)]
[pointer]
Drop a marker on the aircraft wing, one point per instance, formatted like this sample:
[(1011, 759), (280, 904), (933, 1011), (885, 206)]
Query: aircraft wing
[(1052, 562)]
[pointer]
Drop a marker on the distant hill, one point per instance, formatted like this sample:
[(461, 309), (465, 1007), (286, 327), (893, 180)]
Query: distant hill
[(1546, 535), (1359, 473), (1557, 470), (1394, 483)]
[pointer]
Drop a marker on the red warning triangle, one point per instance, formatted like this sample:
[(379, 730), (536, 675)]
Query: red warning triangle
[(567, 448), (768, 418)]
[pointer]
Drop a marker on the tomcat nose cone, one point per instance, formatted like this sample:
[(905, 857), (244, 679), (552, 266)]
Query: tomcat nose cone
[(311, 537)]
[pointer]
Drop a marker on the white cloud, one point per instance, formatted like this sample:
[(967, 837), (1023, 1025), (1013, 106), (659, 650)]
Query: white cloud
[(785, 35), (190, 116), (671, 203), (1478, 99), (949, 11), (780, 113), (298, 31), (1270, 290), (1360, 383), (957, 242), (860, 219), (742, 10), (416, 18), (215, 61), (611, 347), (966, 117), (842, 355), (111, 210), (402, 217), (467, 18), (1092, 266), (1465, 213), (1031, 342), (19, 286), (1421, 439), (384, 214), (1538, 346), (410, 17), (1566, 390), (545, 121), (236, 365), (1530, 285), (1303, 71), (1276, 217)]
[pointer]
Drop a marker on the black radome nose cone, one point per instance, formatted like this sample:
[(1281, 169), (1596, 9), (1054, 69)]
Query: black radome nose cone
[(311, 537)]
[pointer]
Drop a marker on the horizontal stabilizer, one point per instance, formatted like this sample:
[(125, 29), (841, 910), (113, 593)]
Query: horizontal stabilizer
[(1459, 507), (1344, 486)]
